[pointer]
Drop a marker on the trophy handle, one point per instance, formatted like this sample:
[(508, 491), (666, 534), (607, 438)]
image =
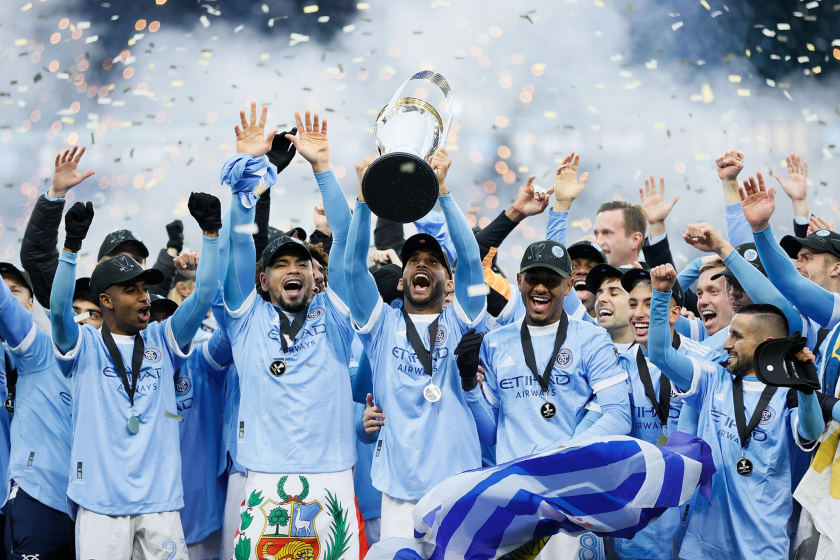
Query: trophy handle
[(445, 133)]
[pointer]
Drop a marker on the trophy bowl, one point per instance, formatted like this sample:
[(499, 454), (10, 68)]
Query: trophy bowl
[(400, 186)]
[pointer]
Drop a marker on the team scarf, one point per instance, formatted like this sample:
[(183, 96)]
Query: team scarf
[(242, 173), (612, 486)]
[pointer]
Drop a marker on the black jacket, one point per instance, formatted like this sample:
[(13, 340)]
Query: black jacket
[(39, 249)]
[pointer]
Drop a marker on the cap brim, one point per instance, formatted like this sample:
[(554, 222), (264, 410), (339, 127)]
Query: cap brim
[(288, 248), (557, 269), (151, 276), (424, 242), (792, 245), (631, 276), (725, 272), (12, 270), (167, 305), (600, 273), (774, 364), (586, 252)]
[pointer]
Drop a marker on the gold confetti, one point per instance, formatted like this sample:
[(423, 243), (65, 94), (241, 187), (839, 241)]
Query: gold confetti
[(177, 83), (706, 92), (311, 9), (550, 114), (27, 7), (705, 4), (743, 93), (363, 6), (734, 78)]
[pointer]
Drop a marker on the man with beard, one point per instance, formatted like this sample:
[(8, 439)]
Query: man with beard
[(125, 460), (429, 433), (541, 372), (749, 426), (296, 436)]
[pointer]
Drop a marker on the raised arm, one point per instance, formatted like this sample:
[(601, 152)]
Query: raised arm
[(15, 321), (615, 414), (207, 210), (280, 155), (678, 368), (314, 146), (656, 208), (469, 271), (362, 295), (241, 174), (796, 187), (759, 203), (65, 330), (729, 164), (706, 238)]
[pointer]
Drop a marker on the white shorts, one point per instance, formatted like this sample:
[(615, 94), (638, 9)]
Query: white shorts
[(302, 515), (150, 536), (397, 519), (233, 504), (207, 549)]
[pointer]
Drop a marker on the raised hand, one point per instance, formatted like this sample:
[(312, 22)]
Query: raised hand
[(706, 238), (76, 225), (282, 150), (250, 138), (663, 277), (361, 169), (388, 256), (373, 419), (758, 202), (528, 201), (207, 211), (816, 224), (312, 144), (440, 162), (66, 175), (729, 165), (796, 185), (187, 264), (467, 357), (655, 206), (567, 187), (175, 231)]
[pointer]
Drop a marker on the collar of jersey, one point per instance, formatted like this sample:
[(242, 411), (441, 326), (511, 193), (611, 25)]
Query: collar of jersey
[(423, 317), (544, 330)]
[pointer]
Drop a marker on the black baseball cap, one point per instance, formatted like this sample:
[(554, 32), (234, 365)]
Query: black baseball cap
[(547, 254), (598, 274), (82, 291), (118, 270), (823, 240), (20, 275), (424, 242), (750, 254), (163, 304), (633, 275), (387, 278), (587, 250), (117, 238), (284, 244), (775, 364)]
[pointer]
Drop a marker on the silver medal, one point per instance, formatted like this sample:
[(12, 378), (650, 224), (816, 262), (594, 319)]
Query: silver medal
[(133, 425), (432, 393)]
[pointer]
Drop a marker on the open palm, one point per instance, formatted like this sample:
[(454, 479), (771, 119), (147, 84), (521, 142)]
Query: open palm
[(250, 138), (313, 144), (530, 203), (758, 202), (66, 174), (566, 183)]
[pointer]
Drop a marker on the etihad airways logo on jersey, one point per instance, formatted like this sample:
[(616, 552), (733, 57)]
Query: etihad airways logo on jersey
[(414, 366), (642, 412), (309, 331), (729, 429), (521, 381), (147, 382)]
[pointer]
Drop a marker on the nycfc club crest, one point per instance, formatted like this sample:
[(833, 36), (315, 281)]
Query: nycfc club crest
[(277, 368)]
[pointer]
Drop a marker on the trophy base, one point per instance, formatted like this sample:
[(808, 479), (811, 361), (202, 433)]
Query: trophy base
[(400, 187)]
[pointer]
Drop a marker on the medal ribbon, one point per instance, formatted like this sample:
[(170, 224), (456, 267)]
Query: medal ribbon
[(744, 430), (424, 356), (116, 357), (664, 405), (528, 350), (291, 330)]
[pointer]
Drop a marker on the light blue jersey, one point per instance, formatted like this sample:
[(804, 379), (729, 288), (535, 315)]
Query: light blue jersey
[(301, 421), (748, 515), (199, 388), (654, 541), (113, 472), (422, 443), (586, 364), (230, 434), (4, 424), (41, 425)]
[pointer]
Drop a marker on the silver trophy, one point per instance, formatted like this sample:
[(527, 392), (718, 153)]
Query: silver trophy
[(400, 186)]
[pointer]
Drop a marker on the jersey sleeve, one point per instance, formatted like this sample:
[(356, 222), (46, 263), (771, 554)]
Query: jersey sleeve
[(67, 362), (702, 376), (339, 324), (466, 324), (177, 355), (792, 419), (34, 353), (238, 321), (602, 364)]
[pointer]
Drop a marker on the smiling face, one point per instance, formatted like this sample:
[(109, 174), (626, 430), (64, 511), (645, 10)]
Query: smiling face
[(817, 266), (738, 298), (126, 307), (425, 282), (741, 344), (580, 268), (619, 247), (712, 302), (289, 281), (318, 277), (638, 314), (543, 291), (611, 305), (20, 291)]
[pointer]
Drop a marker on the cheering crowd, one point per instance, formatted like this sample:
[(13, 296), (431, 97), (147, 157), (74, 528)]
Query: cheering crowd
[(290, 396)]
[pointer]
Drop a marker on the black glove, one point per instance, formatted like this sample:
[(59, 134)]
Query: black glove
[(282, 150), (77, 223), (466, 356), (207, 211), (175, 230)]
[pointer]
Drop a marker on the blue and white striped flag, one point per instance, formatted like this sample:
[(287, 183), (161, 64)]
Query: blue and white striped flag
[(611, 486)]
